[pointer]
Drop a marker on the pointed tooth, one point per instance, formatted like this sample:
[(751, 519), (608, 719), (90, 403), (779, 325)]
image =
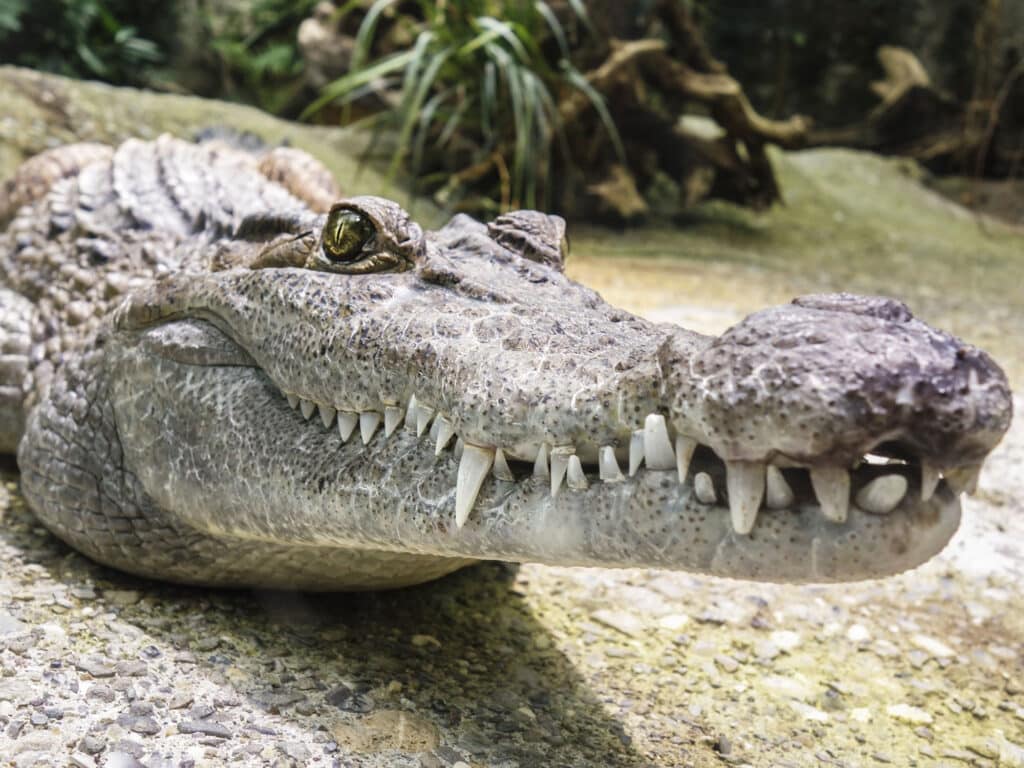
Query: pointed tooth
[(410, 414), (327, 414), (501, 470), (882, 495), (832, 487), (574, 476), (393, 416), (423, 417), (307, 407), (778, 494), (657, 447), (685, 446), (293, 401), (559, 464), (929, 479), (744, 482), (473, 468), (636, 451), (963, 479), (346, 424), (608, 465), (368, 423), (445, 433), (540, 464), (460, 445), (704, 488)]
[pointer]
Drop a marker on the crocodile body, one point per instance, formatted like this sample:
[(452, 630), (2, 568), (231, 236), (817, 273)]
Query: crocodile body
[(215, 370)]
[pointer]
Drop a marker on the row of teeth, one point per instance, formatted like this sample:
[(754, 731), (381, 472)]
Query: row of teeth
[(748, 484)]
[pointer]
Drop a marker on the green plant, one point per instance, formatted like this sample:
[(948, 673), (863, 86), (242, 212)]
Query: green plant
[(83, 38), (481, 82), (259, 52)]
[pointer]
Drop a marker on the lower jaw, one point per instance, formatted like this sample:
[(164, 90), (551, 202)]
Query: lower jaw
[(394, 494)]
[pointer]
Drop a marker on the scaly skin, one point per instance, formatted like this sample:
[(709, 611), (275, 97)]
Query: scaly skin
[(210, 380)]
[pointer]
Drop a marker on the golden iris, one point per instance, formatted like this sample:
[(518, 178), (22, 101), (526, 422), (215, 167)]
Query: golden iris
[(345, 234)]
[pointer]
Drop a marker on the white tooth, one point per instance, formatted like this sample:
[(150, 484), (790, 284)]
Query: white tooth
[(459, 447), (574, 476), (744, 482), (392, 418), (368, 423), (778, 494), (410, 414), (473, 468), (445, 433), (832, 487), (423, 417), (704, 488), (559, 464), (882, 494), (685, 446), (963, 479), (636, 451), (657, 446), (501, 470), (327, 414), (307, 407), (293, 401), (346, 424), (608, 465), (540, 464), (929, 479)]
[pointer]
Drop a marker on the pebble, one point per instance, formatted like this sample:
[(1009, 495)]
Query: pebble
[(933, 647), (909, 714), (626, 623), (10, 625), (205, 727)]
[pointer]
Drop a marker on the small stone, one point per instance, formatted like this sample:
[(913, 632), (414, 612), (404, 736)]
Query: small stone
[(91, 745), (205, 727), (96, 666), (423, 640), (909, 714), (131, 668), (296, 751), (727, 663), (179, 700), (933, 647), (122, 597), (785, 639), (626, 623), (858, 633), (348, 700), (10, 625)]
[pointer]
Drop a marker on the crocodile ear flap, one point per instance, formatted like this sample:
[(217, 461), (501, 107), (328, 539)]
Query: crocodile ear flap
[(533, 235)]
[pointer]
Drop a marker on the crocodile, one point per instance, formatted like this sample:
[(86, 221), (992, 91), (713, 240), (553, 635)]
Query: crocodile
[(215, 369)]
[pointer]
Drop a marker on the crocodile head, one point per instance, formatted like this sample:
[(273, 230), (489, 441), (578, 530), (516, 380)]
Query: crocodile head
[(349, 380)]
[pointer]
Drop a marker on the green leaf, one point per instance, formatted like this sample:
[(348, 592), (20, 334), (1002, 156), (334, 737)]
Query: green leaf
[(364, 37), (356, 79), (581, 83)]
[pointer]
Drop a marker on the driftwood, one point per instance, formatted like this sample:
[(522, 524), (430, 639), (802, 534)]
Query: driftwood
[(915, 119), (660, 71)]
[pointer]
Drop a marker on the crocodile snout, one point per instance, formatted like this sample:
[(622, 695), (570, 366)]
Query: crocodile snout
[(830, 378)]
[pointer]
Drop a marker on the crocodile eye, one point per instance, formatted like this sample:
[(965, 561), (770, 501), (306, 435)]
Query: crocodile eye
[(345, 234)]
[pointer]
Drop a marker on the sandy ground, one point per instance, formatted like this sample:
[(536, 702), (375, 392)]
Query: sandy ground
[(533, 666)]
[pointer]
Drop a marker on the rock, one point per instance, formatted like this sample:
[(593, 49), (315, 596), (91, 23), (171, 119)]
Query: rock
[(626, 623), (909, 714), (384, 730), (10, 625), (205, 727)]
